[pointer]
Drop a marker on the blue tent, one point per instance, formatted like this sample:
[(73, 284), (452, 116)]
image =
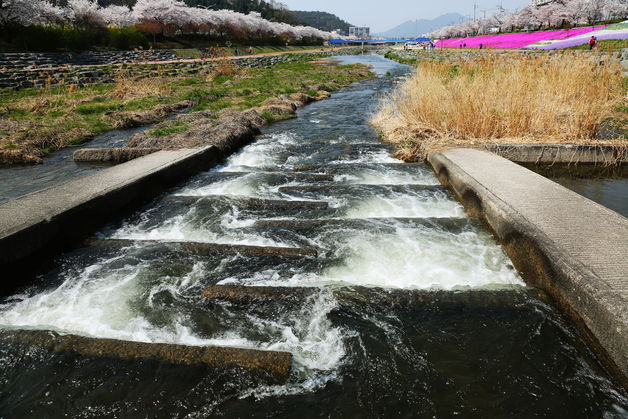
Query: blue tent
[(366, 41), (377, 41)]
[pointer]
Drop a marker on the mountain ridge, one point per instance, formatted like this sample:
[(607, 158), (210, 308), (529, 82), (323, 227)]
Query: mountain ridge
[(324, 21), (419, 27)]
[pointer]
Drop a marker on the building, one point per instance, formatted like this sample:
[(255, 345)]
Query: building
[(360, 32)]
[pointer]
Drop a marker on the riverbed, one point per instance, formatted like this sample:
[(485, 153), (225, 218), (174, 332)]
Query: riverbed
[(415, 312)]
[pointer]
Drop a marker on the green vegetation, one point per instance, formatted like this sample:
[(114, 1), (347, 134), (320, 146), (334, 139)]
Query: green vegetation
[(195, 53), (606, 45), (174, 127), (56, 38), (39, 120), (395, 57), (323, 21)]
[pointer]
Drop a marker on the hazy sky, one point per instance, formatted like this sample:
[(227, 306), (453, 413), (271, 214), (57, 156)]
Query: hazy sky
[(382, 15)]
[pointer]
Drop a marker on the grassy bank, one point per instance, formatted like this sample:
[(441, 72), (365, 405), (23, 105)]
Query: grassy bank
[(563, 98), (195, 53), (605, 45), (35, 122)]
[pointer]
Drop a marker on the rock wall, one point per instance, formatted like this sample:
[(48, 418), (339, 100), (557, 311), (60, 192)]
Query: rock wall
[(18, 71), (58, 59)]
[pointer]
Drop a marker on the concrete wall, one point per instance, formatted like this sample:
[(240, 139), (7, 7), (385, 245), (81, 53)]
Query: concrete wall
[(571, 247), (548, 154), (44, 223)]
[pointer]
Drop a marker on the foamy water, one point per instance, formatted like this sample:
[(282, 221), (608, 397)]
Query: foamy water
[(130, 296)]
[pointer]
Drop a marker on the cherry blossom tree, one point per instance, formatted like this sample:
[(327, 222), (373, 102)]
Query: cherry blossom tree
[(84, 13), (156, 17), (29, 12), (120, 16)]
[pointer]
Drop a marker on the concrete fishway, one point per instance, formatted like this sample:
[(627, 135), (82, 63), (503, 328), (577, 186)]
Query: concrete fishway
[(312, 244)]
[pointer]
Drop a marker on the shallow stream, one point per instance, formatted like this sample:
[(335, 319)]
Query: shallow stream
[(416, 310)]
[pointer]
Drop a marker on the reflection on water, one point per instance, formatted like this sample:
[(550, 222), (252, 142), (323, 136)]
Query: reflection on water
[(57, 168), (608, 186)]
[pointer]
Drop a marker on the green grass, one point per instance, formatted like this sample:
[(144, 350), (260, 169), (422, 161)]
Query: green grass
[(176, 127), (48, 116), (605, 45), (399, 59), (268, 116), (196, 53)]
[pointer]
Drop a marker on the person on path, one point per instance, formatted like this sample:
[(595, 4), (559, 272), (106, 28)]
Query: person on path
[(592, 43)]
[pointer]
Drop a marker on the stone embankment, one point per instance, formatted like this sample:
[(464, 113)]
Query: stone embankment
[(571, 247), (26, 72), (58, 59)]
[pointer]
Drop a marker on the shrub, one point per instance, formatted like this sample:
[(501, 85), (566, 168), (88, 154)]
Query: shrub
[(57, 38)]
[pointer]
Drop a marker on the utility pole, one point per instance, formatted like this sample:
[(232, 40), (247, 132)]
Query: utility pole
[(475, 8)]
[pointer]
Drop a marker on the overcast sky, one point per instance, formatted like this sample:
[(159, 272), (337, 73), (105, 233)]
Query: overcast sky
[(382, 15)]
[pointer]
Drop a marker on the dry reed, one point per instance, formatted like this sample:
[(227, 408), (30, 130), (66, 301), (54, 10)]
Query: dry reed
[(129, 87), (501, 99)]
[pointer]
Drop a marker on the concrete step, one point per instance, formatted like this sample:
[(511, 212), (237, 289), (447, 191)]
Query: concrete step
[(256, 203), (271, 366), (212, 249), (449, 224), (334, 168), (302, 177), (356, 188), (349, 297), (244, 295)]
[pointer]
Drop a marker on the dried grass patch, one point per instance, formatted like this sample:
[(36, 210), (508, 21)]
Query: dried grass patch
[(508, 99)]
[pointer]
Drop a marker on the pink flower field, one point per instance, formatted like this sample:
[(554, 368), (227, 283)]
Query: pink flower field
[(515, 40)]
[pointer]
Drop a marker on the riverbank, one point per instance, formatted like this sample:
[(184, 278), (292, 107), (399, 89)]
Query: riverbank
[(35, 122), (470, 99)]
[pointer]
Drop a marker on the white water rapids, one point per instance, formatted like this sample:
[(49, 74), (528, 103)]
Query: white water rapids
[(114, 295)]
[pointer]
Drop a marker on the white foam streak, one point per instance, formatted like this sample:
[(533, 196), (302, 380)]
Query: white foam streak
[(265, 152), (387, 177), (182, 228), (406, 205)]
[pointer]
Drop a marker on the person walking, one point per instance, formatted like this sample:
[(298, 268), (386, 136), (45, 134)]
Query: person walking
[(592, 43)]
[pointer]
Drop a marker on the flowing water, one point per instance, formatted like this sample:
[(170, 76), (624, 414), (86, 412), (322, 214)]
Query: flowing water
[(415, 310)]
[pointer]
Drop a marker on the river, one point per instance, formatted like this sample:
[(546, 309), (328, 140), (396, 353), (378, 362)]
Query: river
[(415, 312)]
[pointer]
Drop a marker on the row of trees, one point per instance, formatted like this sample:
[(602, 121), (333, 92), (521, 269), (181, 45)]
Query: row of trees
[(166, 17), (559, 13)]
